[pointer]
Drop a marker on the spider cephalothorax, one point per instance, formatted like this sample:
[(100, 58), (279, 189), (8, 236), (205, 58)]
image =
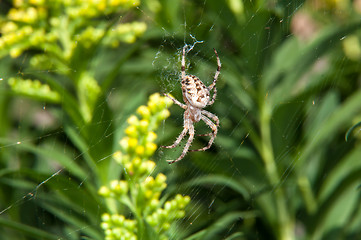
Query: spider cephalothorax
[(196, 96)]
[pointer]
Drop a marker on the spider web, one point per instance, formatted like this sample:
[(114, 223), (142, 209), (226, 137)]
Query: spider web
[(201, 62)]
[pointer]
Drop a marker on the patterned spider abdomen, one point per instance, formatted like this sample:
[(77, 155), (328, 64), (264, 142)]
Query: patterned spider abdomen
[(195, 92)]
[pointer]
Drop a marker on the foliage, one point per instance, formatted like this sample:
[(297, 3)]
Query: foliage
[(288, 95)]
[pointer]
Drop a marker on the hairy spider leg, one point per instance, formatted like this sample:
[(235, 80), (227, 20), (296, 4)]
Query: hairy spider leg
[(213, 135), (186, 147), (213, 117), (213, 84), (183, 67), (176, 101), (185, 130), (178, 140)]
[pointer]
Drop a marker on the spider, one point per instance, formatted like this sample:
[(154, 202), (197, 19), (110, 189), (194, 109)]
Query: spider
[(196, 96)]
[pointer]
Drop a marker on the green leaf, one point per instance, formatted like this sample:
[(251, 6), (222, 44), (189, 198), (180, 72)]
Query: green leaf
[(221, 224), (34, 232), (302, 60), (350, 130), (221, 180), (78, 223), (336, 122), (51, 154)]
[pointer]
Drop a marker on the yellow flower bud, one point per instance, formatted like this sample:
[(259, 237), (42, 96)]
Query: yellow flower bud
[(149, 181), (187, 199), (154, 203), (155, 97), (139, 150), (150, 148), (153, 106), (101, 6), (9, 27), (124, 143), (117, 156), (131, 131), (129, 167), (149, 165), (160, 179), (180, 214), (143, 125), (151, 136), (36, 2), (132, 142), (15, 52), (164, 114), (166, 226), (133, 120), (136, 162), (18, 3), (148, 194), (106, 217), (168, 102), (167, 206), (105, 225), (104, 191), (114, 184), (144, 112)]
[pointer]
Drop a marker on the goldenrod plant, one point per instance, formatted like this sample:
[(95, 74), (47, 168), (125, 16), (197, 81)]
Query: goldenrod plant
[(137, 190), (63, 37)]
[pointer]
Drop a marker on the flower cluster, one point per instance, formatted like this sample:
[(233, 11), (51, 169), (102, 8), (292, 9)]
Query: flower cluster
[(64, 35), (35, 89), (40, 24), (139, 191)]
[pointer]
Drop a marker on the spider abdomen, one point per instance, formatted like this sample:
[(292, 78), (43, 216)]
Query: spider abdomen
[(194, 91)]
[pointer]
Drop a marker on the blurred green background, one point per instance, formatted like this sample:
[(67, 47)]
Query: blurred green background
[(72, 72)]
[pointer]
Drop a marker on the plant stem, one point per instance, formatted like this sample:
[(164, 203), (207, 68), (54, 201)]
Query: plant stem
[(285, 225)]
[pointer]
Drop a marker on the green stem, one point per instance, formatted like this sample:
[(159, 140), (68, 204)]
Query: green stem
[(285, 225), (134, 186), (306, 192)]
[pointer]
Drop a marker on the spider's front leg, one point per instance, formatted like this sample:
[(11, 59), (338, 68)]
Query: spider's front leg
[(213, 85), (176, 101)]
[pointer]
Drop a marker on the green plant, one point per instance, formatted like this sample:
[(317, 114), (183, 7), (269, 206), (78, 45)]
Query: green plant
[(139, 192), (58, 46), (66, 37)]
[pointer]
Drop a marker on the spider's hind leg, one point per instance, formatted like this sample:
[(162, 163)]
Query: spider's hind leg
[(213, 134), (186, 147), (178, 140)]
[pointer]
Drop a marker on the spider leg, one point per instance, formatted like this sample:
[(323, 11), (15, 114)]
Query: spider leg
[(179, 139), (213, 97), (183, 67), (212, 116), (210, 87), (176, 101), (213, 84), (203, 135), (186, 147), (213, 134)]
